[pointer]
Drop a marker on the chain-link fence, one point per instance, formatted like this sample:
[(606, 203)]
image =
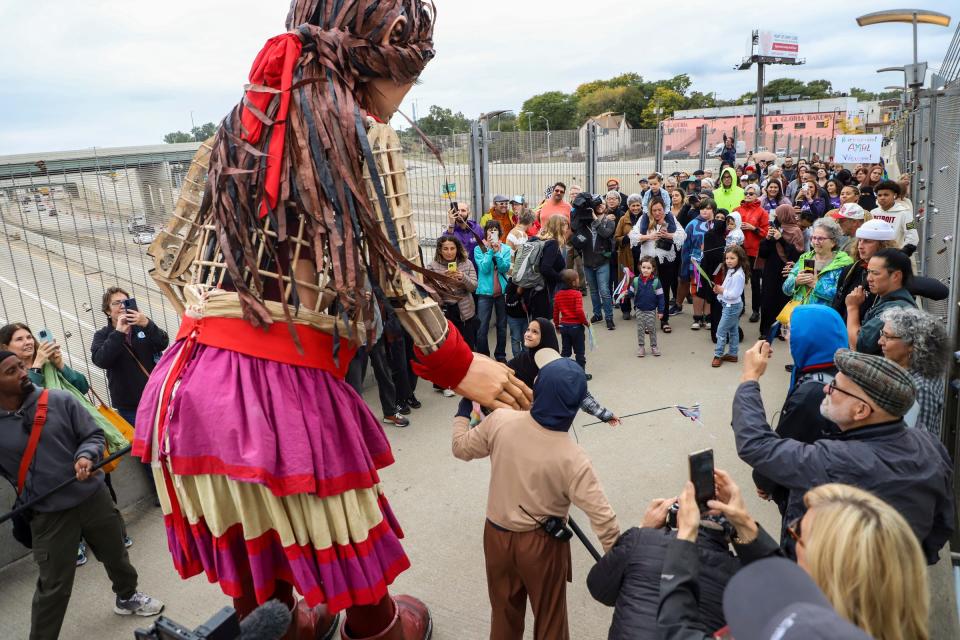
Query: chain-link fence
[(76, 223)]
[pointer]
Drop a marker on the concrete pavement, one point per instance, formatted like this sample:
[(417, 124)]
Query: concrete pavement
[(440, 501)]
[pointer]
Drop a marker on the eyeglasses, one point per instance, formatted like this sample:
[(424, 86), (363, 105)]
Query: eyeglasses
[(793, 530), (887, 336), (819, 238), (116, 303), (833, 387), (559, 191)]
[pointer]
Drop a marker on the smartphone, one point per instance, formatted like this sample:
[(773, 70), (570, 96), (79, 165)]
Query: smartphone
[(451, 266), (809, 264), (44, 336), (494, 235), (130, 304), (701, 475), (773, 333)]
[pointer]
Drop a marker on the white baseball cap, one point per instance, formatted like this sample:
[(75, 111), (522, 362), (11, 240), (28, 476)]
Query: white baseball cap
[(850, 211), (876, 230)]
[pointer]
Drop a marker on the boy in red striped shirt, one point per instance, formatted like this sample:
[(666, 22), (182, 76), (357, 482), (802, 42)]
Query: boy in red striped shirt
[(570, 319)]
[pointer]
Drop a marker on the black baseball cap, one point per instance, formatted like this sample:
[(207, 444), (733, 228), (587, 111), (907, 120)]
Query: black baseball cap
[(699, 173), (774, 598)]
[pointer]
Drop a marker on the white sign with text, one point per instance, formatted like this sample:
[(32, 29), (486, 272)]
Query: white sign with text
[(858, 149)]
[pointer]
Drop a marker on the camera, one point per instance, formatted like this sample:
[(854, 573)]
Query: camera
[(224, 625), (585, 201)]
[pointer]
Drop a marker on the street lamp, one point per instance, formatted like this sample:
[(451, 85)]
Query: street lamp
[(544, 118), (914, 17)]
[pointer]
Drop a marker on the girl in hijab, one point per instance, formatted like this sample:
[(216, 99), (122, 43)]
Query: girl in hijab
[(541, 334), (783, 244)]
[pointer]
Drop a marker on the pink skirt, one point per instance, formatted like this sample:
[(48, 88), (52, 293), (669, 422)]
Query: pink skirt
[(273, 474)]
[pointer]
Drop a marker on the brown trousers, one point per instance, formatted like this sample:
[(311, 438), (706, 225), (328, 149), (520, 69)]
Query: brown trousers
[(522, 565)]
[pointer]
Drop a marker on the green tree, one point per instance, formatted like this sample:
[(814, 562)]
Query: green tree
[(557, 107), (439, 121), (204, 131), (819, 89), (662, 105), (177, 136), (602, 100), (623, 80)]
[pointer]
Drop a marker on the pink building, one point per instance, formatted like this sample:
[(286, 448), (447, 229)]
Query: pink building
[(779, 131)]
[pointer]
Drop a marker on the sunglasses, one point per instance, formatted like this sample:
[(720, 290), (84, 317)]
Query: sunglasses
[(833, 387)]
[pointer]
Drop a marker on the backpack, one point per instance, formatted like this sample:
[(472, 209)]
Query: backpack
[(525, 271)]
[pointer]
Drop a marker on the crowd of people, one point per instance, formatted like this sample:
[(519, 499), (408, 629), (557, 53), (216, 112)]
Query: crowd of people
[(817, 257), (814, 255)]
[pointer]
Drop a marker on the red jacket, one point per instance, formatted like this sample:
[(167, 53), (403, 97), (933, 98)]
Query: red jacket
[(755, 214), (568, 308)]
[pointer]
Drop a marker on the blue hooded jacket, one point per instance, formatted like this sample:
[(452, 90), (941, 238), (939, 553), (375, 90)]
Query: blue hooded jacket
[(816, 332), (557, 394)]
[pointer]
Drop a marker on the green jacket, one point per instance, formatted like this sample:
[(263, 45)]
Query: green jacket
[(731, 198), (868, 340), (826, 286)]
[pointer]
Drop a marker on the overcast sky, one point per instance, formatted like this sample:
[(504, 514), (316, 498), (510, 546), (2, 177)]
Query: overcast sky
[(77, 74)]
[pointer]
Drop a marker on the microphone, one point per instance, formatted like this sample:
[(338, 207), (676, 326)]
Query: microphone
[(269, 621)]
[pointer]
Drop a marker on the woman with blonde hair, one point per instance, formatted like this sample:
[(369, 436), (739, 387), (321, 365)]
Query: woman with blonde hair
[(553, 235), (866, 559)]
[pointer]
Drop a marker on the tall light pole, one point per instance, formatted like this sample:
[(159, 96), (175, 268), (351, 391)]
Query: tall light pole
[(544, 118), (917, 71)]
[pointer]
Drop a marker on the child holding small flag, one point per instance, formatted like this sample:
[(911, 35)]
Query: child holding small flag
[(650, 305)]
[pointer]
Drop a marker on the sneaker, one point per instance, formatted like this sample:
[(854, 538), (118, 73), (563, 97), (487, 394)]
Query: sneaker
[(788, 368), (626, 315), (696, 323), (675, 310), (413, 403), (641, 352), (127, 541), (82, 554), (707, 324), (595, 318), (755, 316), (716, 362), (139, 604), (730, 358), (655, 351), (610, 325), (396, 420), (589, 377), (403, 409), (448, 393)]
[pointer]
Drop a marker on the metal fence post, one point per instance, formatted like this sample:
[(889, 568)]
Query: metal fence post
[(479, 168), (658, 152), (703, 147), (591, 157), (922, 212), (774, 146)]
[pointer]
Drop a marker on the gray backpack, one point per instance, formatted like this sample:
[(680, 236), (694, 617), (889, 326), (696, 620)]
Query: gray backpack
[(525, 271)]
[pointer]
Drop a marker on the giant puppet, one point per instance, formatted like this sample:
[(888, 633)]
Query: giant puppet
[(266, 460)]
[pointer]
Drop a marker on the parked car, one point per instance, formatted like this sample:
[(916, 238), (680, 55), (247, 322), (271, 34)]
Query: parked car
[(144, 237), (676, 154)]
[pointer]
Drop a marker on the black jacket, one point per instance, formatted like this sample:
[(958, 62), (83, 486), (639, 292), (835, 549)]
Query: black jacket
[(124, 377), (908, 468), (852, 276), (598, 234), (800, 420), (678, 616), (628, 578)]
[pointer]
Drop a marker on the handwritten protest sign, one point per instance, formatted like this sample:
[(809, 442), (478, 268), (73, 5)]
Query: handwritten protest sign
[(856, 149)]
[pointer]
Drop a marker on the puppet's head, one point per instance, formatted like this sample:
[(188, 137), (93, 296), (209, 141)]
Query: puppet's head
[(383, 45)]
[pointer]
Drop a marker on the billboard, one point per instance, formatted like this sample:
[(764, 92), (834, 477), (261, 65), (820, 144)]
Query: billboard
[(774, 44)]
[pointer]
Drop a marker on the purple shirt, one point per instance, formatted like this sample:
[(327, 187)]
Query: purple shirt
[(467, 237)]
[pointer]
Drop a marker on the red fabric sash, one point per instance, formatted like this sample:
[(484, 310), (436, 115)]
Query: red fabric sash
[(273, 343), (272, 68), (39, 419)]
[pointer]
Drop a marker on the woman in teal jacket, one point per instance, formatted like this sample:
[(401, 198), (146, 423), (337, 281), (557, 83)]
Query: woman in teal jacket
[(493, 262), (819, 285), (18, 338)]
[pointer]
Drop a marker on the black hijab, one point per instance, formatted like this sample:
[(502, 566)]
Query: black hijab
[(523, 365)]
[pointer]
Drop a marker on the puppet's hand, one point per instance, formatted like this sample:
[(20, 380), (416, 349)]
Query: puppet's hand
[(493, 385)]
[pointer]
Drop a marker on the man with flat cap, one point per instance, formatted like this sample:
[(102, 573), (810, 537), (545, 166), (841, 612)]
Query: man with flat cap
[(875, 451), (536, 472)]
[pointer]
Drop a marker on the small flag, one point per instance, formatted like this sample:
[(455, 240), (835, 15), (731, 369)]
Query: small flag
[(691, 412)]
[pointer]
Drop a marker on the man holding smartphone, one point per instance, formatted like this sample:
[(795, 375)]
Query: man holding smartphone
[(128, 348)]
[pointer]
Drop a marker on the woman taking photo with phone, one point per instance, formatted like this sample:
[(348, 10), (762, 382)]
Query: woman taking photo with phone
[(18, 338), (813, 279)]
